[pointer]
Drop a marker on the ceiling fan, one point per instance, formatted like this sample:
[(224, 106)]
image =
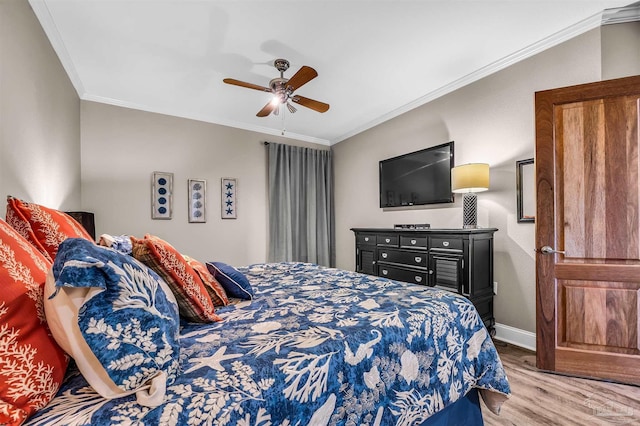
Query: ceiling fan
[(283, 88)]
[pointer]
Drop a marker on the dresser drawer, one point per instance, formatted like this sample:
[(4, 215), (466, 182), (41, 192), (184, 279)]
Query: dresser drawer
[(446, 243), (366, 239), (409, 258), (413, 241), (405, 275), (387, 240)]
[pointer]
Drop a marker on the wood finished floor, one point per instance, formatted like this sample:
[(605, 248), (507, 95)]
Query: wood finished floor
[(539, 398)]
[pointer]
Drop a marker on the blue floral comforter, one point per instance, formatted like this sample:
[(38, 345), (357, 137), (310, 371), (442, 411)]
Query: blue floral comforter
[(316, 346)]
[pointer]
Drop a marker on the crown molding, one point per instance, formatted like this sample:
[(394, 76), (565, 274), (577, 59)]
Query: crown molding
[(625, 14), (42, 12), (555, 39), (206, 119), (621, 15)]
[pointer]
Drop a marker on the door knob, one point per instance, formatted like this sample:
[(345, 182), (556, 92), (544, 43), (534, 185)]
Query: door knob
[(549, 250)]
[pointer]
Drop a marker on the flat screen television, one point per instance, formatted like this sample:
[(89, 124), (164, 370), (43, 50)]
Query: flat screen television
[(417, 178)]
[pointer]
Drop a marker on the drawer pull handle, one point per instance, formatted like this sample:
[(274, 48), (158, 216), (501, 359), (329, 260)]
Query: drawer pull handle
[(366, 238), (387, 240), (418, 259), (445, 243), (430, 271), (384, 255), (385, 272), (418, 278), (413, 242)]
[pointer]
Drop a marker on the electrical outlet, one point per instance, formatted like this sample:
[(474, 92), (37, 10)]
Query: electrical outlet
[(495, 287)]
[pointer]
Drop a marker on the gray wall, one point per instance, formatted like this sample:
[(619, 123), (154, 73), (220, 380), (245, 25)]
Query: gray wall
[(620, 52), (39, 115), (121, 148), (492, 121)]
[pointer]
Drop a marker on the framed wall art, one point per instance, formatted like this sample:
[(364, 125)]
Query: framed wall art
[(197, 200), (526, 190), (161, 195), (229, 200)]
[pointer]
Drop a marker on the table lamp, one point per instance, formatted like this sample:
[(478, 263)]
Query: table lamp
[(469, 179)]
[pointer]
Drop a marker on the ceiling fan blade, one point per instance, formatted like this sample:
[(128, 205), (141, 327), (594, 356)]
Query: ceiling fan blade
[(247, 85), (267, 109), (310, 103), (303, 76)]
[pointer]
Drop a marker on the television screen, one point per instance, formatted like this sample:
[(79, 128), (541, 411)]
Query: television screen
[(421, 177)]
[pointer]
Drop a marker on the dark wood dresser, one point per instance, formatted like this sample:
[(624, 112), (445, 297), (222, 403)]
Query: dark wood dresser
[(457, 260)]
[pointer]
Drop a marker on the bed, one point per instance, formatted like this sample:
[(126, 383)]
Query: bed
[(139, 334), (317, 346)]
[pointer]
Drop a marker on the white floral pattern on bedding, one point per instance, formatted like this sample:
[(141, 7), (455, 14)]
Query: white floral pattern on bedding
[(316, 346), (116, 318)]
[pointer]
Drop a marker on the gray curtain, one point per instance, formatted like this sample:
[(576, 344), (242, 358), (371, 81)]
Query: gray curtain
[(301, 217)]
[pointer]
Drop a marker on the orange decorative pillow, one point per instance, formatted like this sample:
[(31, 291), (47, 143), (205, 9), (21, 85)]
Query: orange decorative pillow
[(43, 227), (32, 365), (214, 288), (191, 294)]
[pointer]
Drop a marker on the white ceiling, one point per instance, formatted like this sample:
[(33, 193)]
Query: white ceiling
[(375, 59)]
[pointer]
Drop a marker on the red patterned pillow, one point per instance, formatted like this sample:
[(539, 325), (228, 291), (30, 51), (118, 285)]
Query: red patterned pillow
[(32, 365), (214, 288), (193, 299), (43, 227)]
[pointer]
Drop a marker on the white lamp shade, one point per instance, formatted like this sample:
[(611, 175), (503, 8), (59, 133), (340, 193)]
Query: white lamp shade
[(472, 177)]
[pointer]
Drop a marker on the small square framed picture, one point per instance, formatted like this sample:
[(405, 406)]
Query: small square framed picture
[(229, 193), (197, 200)]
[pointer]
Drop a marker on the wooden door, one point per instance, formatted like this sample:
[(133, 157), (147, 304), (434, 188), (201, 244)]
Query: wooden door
[(588, 205)]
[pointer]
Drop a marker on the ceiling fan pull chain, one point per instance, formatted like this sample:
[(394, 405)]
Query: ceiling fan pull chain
[(283, 114)]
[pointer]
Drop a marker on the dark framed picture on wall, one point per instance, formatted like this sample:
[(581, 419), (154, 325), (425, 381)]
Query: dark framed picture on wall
[(229, 200), (526, 190), (161, 195)]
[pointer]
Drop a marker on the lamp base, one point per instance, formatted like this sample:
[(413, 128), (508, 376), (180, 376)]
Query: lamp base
[(469, 211)]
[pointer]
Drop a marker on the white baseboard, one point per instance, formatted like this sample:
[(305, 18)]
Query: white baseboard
[(515, 336)]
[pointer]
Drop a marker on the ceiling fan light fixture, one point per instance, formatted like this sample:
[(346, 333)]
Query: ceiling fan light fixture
[(283, 88)]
